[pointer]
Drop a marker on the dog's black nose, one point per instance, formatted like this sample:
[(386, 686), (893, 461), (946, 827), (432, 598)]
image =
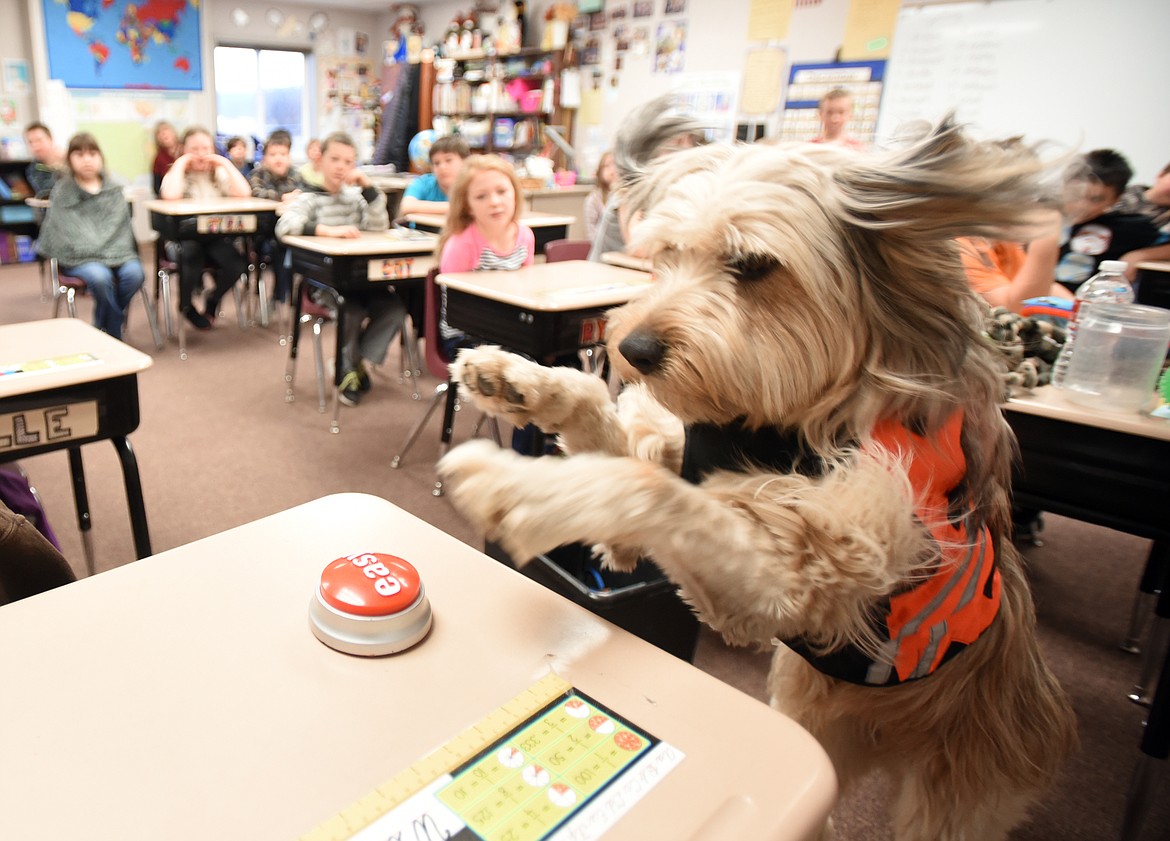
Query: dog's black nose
[(643, 350)]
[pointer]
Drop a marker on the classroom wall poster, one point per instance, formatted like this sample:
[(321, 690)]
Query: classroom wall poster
[(124, 44), (807, 83)]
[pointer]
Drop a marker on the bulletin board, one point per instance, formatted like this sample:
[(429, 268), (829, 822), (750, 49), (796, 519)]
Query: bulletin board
[(1078, 72), (808, 83)]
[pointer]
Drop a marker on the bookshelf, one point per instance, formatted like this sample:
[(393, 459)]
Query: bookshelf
[(18, 221), (498, 103)]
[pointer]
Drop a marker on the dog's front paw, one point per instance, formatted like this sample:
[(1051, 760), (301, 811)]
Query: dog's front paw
[(616, 558), (498, 382), (492, 489)]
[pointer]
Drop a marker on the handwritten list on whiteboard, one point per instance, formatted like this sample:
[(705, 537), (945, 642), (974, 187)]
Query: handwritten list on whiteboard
[(1069, 72)]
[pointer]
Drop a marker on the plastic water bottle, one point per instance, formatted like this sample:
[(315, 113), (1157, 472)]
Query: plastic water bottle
[(1107, 286)]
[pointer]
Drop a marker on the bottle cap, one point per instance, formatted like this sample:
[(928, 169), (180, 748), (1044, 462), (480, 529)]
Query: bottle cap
[(370, 604), (1113, 266)]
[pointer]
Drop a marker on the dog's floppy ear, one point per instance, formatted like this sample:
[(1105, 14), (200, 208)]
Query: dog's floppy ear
[(947, 185)]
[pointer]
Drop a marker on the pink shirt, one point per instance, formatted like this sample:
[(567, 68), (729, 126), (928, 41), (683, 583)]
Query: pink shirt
[(468, 251)]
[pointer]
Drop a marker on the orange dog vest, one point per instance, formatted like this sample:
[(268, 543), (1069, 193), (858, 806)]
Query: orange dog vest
[(930, 620)]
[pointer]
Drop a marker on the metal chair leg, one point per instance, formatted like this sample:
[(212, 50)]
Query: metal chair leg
[(164, 288), (408, 340), (1153, 653), (440, 393), (319, 358), (151, 317)]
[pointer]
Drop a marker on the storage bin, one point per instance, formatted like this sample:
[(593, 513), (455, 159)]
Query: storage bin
[(644, 602)]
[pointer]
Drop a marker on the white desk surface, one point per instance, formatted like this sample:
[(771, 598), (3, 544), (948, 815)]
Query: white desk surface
[(368, 244), (55, 339), (554, 287), (628, 261), (1049, 402), (184, 696), (227, 204), (531, 218), (390, 183)]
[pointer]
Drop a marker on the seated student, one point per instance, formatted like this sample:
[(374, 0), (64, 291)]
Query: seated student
[(346, 205), (199, 173), (48, 163), (483, 231), (309, 172), (88, 230), (167, 150), (428, 193), (273, 180), (237, 152), (1005, 274), (836, 110), (1096, 232), (1157, 207), (656, 128), (607, 181)]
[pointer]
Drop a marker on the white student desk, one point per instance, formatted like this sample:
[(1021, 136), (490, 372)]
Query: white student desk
[(629, 261), (544, 310), (185, 697), (545, 226), (399, 257), (179, 220), (64, 383)]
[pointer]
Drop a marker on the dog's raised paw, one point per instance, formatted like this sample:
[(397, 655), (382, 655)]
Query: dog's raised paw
[(497, 381)]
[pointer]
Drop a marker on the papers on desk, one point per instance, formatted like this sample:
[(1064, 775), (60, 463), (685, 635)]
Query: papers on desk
[(550, 765), (407, 234), (44, 366)]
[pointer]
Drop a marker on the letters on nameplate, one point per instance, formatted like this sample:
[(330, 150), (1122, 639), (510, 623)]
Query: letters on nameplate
[(48, 425), (400, 268), (592, 331), (226, 223)]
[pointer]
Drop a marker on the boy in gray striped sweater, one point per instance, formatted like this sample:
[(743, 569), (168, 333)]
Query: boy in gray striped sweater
[(345, 206)]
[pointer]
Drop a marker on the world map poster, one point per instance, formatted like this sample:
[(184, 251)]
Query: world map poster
[(137, 44)]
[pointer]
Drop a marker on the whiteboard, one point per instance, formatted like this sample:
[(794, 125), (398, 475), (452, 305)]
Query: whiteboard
[(1086, 74)]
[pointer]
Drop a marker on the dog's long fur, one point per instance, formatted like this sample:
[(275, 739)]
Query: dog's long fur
[(818, 292)]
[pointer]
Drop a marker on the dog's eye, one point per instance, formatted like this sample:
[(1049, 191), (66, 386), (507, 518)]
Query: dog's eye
[(749, 267)]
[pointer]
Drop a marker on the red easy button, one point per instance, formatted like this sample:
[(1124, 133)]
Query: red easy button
[(370, 584)]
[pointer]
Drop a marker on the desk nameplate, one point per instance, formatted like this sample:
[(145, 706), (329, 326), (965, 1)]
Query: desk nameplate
[(401, 268), (55, 424), (226, 223)]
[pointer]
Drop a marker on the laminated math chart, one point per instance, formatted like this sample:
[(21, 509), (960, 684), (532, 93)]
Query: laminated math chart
[(550, 765)]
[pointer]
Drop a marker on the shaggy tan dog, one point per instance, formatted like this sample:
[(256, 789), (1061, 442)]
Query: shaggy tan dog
[(845, 471)]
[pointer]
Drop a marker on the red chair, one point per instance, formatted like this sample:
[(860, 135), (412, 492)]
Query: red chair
[(559, 250), (438, 364)]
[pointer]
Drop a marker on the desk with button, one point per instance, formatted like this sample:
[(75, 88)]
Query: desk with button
[(212, 711)]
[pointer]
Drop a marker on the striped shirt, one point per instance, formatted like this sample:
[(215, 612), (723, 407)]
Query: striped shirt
[(351, 205)]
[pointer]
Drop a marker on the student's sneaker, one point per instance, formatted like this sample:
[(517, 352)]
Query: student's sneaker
[(198, 320), (349, 392), (363, 375)]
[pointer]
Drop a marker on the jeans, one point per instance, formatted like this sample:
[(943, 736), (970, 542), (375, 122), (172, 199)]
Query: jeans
[(112, 289)]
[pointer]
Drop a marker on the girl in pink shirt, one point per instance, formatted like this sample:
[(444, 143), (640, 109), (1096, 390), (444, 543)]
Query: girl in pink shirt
[(483, 231)]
